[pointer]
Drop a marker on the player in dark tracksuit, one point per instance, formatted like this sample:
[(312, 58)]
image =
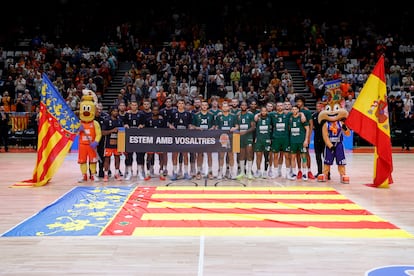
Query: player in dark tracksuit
[(134, 119), (156, 121), (180, 119)]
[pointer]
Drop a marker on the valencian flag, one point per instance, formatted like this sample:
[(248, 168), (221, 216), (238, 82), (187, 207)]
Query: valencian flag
[(58, 127), (369, 118)]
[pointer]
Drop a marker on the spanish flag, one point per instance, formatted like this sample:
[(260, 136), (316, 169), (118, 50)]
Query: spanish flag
[(58, 127), (369, 118)]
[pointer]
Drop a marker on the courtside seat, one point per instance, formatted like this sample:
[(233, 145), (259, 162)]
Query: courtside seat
[(12, 138), (396, 136), (15, 138), (29, 138), (10, 54)]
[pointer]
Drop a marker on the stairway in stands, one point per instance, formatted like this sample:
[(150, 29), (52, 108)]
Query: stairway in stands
[(294, 69), (116, 84), (299, 83)]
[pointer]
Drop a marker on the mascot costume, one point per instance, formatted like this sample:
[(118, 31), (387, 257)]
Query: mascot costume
[(89, 136), (332, 119)]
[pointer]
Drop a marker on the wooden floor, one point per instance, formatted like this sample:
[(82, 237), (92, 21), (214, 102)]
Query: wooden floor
[(205, 255)]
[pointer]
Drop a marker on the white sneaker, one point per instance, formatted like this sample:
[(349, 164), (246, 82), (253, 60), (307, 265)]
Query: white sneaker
[(140, 176), (240, 176), (292, 176), (264, 175), (288, 174), (270, 173), (128, 176), (250, 177), (278, 174), (305, 177), (257, 174)]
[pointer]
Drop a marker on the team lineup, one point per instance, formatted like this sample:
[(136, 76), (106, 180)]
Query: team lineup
[(273, 137)]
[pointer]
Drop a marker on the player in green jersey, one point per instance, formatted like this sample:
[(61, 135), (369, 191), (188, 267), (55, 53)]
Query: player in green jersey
[(262, 142), (247, 126), (226, 121), (204, 120), (299, 132)]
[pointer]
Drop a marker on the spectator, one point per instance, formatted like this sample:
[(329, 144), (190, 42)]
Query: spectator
[(406, 124), (27, 100), (349, 102), (319, 85)]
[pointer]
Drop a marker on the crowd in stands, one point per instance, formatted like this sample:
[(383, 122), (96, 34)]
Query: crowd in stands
[(181, 58)]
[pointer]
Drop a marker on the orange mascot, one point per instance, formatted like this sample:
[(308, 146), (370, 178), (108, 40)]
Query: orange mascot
[(89, 136), (332, 119)]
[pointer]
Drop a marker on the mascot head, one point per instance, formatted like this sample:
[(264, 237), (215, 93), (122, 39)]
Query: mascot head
[(334, 107), (87, 108), (89, 92)]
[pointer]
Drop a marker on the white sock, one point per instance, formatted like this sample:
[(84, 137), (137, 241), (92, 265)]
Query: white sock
[(140, 169), (241, 164), (249, 167)]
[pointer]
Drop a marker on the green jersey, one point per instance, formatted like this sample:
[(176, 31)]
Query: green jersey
[(234, 111), (245, 120), (264, 128), (297, 130), (226, 122), (307, 113), (215, 112), (280, 123), (204, 121)]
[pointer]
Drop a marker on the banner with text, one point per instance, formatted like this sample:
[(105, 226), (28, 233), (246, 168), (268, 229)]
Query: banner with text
[(178, 140)]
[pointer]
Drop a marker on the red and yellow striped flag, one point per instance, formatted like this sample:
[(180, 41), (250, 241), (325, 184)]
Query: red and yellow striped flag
[(58, 127), (19, 120), (238, 211), (369, 118)]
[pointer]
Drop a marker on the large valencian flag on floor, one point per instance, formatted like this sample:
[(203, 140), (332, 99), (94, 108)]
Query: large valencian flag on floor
[(207, 211)]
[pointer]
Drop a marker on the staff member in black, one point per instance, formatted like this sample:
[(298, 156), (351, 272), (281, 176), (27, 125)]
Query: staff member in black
[(319, 144), (4, 128), (406, 124), (100, 117)]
